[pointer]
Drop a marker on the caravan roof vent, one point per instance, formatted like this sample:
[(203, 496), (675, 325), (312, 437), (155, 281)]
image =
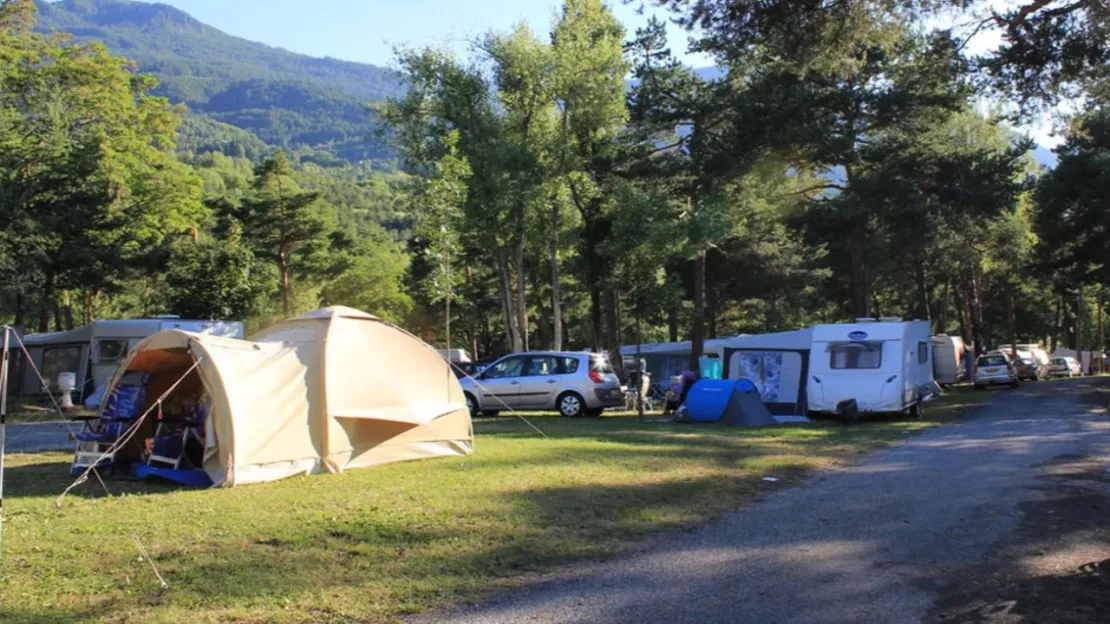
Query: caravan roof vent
[(866, 319), (167, 317), (890, 319)]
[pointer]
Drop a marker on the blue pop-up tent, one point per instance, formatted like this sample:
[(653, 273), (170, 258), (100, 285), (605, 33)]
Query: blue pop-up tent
[(734, 402)]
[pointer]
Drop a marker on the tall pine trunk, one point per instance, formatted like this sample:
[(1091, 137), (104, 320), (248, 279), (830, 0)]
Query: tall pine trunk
[(1011, 320), (283, 268), (507, 302), (556, 292), (861, 296), (19, 311), (697, 329), (47, 302), (521, 299), (1056, 326)]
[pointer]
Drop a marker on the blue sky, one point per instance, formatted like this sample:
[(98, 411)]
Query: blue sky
[(367, 30)]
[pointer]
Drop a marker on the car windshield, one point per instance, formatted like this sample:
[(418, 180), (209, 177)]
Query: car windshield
[(1059, 361), (992, 360), (1027, 362)]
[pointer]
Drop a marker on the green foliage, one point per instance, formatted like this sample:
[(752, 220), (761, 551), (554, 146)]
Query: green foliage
[(215, 279), (281, 223), (86, 171)]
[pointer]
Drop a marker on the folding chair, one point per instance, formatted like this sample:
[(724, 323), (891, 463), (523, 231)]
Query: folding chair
[(170, 445), (98, 436)]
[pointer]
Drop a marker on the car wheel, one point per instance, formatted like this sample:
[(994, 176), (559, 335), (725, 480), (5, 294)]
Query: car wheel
[(491, 413), (570, 405), (471, 404)]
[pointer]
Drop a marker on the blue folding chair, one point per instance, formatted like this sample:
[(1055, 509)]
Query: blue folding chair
[(96, 440)]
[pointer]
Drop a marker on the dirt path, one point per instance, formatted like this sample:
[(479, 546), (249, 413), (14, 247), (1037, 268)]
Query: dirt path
[(1000, 518)]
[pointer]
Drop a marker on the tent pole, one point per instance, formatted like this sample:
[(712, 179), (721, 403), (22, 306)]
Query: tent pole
[(3, 421)]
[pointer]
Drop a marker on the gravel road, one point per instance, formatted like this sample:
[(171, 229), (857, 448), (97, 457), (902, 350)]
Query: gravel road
[(886, 541), (39, 437)]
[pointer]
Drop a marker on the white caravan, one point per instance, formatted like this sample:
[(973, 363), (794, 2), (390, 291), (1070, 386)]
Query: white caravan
[(949, 359), (883, 365)]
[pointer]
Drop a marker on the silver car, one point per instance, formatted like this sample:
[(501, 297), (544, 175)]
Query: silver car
[(575, 384), (992, 369)]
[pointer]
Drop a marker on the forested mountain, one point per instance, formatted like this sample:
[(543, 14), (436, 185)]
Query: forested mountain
[(284, 98)]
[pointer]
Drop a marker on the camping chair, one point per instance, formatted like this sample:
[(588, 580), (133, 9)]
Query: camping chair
[(169, 446), (99, 435)]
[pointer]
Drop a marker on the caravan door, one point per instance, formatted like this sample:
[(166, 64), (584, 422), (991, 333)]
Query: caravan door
[(868, 371)]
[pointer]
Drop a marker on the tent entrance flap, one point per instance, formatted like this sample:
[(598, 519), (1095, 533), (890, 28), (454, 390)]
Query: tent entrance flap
[(175, 373)]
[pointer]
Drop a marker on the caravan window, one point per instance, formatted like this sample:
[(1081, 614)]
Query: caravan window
[(110, 350), (855, 355), (922, 353)]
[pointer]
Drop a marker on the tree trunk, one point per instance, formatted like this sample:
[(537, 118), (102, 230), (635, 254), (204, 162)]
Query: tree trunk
[(57, 309), (283, 268), (88, 307), (507, 302), (641, 373), (697, 329), (923, 290), (672, 325), (1101, 331), (711, 311), (67, 314), (47, 298), (19, 311), (556, 292), (1011, 321), (447, 307), (861, 295), (613, 325), (977, 314), (1079, 342), (941, 325), (1056, 326), (521, 299)]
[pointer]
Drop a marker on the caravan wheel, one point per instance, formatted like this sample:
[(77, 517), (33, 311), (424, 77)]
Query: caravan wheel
[(917, 410)]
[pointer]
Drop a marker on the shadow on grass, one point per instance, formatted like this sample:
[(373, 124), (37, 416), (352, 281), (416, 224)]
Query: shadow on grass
[(51, 478)]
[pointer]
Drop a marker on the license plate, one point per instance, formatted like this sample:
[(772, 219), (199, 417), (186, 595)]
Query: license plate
[(991, 371)]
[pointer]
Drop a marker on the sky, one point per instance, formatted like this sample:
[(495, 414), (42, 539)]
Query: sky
[(368, 31)]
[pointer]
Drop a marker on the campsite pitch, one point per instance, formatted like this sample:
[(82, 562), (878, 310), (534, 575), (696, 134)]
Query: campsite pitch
[(374, 544)]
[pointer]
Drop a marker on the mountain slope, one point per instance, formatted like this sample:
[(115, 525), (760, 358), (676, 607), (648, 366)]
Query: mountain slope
[(287, 99)]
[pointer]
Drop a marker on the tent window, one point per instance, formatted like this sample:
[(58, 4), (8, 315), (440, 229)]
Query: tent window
[(855, 355), (60, 360), (922, 353), (110, 350)]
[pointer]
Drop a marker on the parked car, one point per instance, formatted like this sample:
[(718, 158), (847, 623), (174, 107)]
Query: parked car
[(464, 369), (994, 369), (1065, 367), (575, 384), (1029, 368)]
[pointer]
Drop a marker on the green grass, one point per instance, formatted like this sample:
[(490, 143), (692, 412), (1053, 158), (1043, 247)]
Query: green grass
[(371, 545)]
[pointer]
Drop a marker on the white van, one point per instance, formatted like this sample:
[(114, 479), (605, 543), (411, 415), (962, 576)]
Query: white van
[(883, 365)]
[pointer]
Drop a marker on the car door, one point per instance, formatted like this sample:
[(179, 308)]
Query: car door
[(500, 384), (539, 383)]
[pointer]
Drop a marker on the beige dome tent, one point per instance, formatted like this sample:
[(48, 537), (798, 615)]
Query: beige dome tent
[(331, 390)]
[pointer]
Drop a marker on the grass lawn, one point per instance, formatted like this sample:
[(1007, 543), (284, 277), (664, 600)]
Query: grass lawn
[(371, 545)]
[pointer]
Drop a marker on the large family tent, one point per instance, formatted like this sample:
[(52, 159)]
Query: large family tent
[(325, 392)]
